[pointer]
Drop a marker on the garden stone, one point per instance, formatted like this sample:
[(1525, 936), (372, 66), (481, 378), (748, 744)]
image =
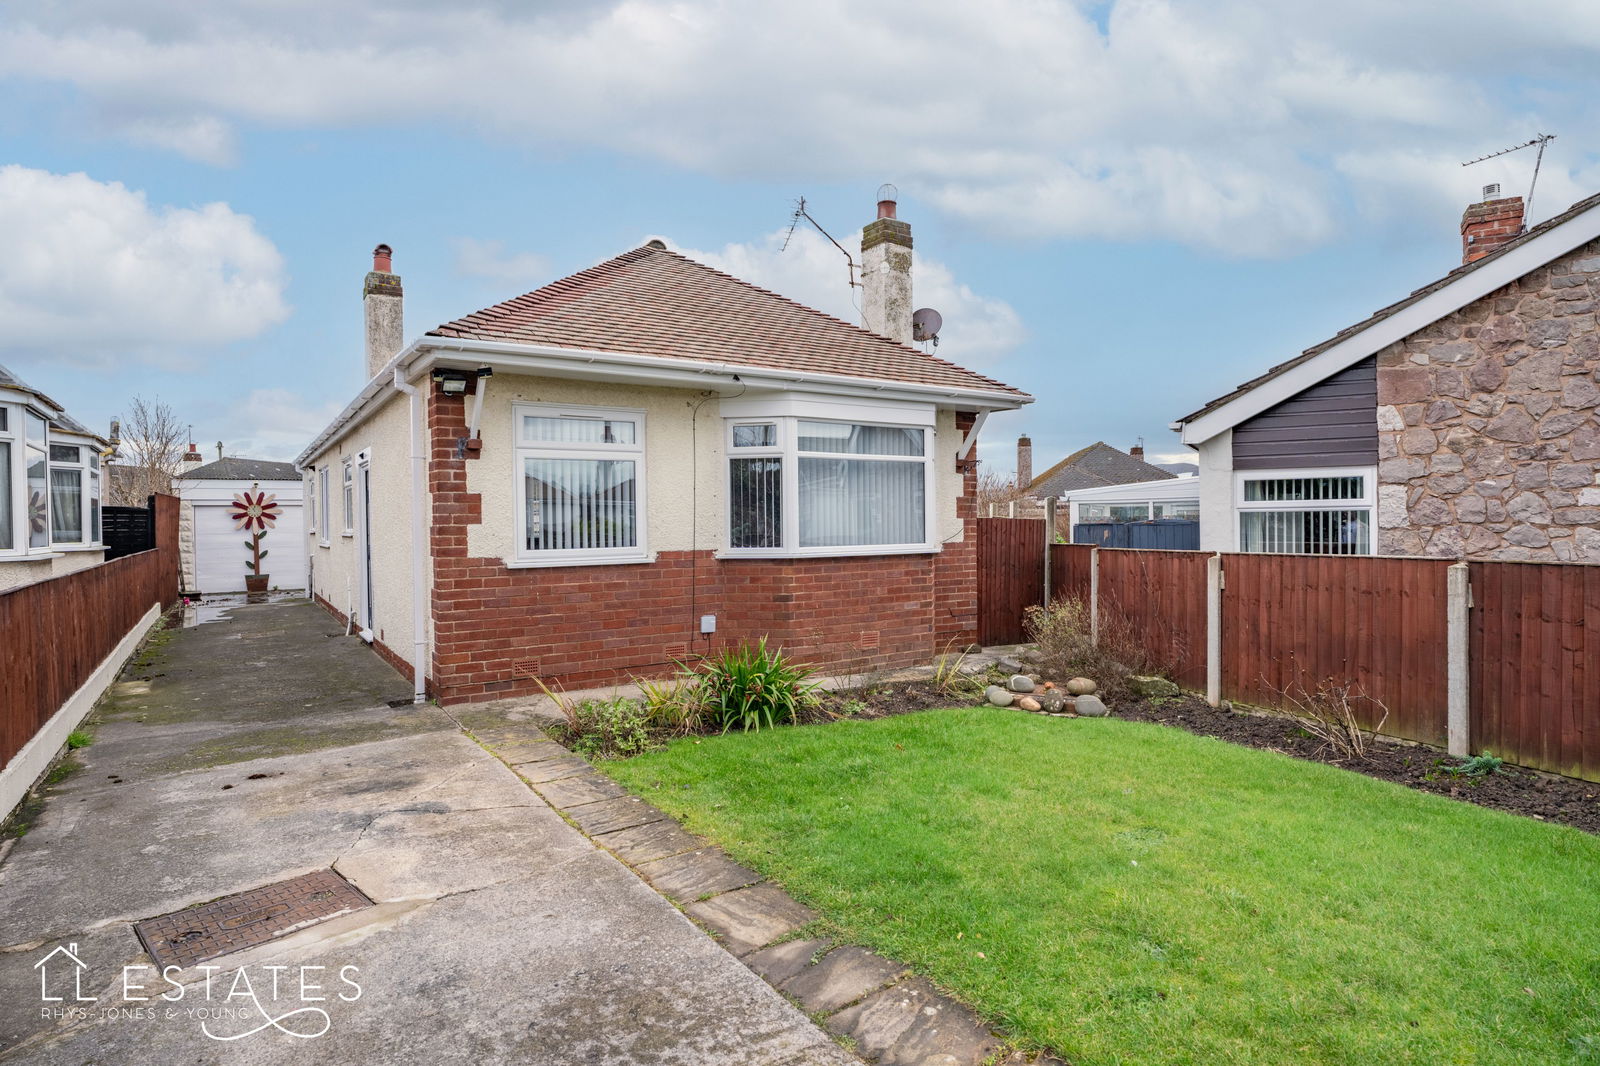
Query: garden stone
[(1152, 687), (1032, 655), (1020, 683), (1081, 686), (998, 696), (1028, 703), (1089, 706), (1052, 700), (1010, 664)]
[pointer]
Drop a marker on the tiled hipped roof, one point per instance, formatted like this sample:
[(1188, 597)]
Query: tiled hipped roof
[(1095, 467), (655, 302)]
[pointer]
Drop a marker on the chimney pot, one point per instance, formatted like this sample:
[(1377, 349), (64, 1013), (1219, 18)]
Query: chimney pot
[(1491, 192), (383, 259)]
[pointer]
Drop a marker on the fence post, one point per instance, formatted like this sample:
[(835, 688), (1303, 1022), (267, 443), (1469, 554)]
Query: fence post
[(1049, 539), (1094, 595), (1214, 630), (1458, 683)]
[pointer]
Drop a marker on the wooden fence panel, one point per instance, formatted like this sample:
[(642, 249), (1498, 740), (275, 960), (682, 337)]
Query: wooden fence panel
[(1010, 576), (1069, 571), (1162, 595), (1535, 665), (1292, 620), (56, 632)]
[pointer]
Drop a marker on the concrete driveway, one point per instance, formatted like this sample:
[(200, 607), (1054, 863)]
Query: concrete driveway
[(262, 747)]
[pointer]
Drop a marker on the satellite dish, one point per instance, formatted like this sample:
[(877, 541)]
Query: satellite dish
[(925, 324)]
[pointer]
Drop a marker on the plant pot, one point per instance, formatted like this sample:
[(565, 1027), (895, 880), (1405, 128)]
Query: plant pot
[(256, 582)]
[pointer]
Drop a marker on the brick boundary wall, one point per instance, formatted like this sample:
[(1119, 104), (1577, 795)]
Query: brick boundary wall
[(386, 653), (497, 630)]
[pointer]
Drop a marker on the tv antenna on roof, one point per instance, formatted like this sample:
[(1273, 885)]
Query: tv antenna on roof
[(1541, 140), (794, 220)]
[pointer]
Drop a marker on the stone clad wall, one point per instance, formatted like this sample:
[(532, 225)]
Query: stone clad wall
[(1488, 431)]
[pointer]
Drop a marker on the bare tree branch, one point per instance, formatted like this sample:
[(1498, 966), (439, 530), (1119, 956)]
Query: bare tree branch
[(150, 454)]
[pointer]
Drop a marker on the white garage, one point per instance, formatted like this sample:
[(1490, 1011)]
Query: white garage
[(213, 551)]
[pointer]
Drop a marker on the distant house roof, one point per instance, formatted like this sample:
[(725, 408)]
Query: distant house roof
[(1499, 267), (234, 468), (1093, 467), (655, 302)]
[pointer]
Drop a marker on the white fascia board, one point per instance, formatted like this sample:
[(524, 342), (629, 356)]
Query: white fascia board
[(427, 352), (10, 394), (1473, 285)]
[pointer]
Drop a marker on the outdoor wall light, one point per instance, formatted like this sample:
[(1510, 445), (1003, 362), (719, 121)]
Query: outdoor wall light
[(451, 382)]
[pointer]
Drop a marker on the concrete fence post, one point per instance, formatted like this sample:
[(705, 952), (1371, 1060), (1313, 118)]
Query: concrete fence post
[(1094, 595), (1049, 539), (1214, 630), (1458, 602), (1011, 509)]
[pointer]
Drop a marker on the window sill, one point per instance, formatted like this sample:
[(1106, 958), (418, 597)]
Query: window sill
[(348, 533), (324, 543), (593, 560), (31, 557), (826, 553), (64, 548)]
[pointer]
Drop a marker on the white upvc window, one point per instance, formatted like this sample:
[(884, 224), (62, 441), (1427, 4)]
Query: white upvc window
[(802, 485), (580, 485), (1306, 512), (36, 432), (311, 501), (322, 505), (348, 493), (12, 503), (74, 485)]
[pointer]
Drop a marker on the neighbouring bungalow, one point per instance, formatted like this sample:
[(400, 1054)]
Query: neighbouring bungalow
[(1458, 422), (646, 461), (49, 487)]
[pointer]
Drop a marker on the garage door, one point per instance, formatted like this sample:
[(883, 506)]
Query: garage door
[(220, 552)]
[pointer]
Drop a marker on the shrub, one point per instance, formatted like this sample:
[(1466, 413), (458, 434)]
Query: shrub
[(615, 728), (753, 688), (1329, 714), (675, 706), (1066, 648), (1478, 766)]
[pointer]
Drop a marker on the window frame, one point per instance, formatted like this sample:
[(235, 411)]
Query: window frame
[(80, 467), (1367, 501), (347, 493), (637, 452), (324, 537), (11, 434), (787, 449)]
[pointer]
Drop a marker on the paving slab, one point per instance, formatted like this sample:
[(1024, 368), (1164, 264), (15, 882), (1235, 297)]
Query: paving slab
[(751, 918), (697, 875), (607, 816), (654, 840), (553, 769), (782, 961), (912, 1024), (520, 750), (576, 791), (841, 977)]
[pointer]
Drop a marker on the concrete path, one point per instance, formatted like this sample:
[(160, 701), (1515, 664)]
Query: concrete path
[(261, 747)]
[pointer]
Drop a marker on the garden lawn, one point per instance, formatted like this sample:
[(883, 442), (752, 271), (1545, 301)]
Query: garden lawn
[(1131, 893)]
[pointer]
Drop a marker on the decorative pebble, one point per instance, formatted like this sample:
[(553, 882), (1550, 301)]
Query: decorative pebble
[(998, 696), (1081, 686), (1089, 706), (1028, 703), (1020, 683)]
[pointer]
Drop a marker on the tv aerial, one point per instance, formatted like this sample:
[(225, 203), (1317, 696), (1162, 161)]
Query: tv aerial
[(925, 324), (794, 220), (1541, 140)]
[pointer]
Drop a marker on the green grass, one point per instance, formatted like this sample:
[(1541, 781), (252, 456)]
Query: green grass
[(1128, 893)]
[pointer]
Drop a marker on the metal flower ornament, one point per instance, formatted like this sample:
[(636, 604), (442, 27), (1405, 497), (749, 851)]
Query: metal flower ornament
[(255, 512)]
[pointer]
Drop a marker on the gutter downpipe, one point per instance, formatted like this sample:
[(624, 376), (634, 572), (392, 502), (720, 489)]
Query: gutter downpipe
[(419, 628)]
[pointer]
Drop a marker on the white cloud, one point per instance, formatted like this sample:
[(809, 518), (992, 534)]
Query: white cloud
[(203, 138), (270, 424), (977, 329), (1226, 124), (488, 259), (91, 274)]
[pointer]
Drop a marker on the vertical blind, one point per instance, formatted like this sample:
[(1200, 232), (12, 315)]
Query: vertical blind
[(1347, 532), (858, 502), (5, 496), (755, 502), (580, 503), (66, 505)]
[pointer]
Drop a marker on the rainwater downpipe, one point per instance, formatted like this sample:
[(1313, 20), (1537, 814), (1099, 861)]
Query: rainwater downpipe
[(419, 628)]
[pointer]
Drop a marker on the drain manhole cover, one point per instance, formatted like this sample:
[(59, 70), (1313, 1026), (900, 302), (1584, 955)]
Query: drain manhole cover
[(234, 923)]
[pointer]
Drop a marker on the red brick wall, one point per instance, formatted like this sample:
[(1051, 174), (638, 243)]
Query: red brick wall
[(496, 629)]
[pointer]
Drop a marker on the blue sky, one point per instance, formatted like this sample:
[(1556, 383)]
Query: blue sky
[(1124, 208)]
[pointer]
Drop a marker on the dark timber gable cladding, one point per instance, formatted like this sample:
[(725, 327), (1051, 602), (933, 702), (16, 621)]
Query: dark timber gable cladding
[(1333, 423)]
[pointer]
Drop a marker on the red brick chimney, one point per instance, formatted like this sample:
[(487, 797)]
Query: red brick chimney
[(1137, 451), (1024, 462), (1487, 225)]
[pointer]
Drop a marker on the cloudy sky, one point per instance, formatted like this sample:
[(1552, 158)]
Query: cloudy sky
[(1125, 208)]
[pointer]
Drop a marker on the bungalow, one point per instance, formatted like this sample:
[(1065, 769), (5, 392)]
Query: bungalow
[(1458, 422), (643, 462), (49, 487)]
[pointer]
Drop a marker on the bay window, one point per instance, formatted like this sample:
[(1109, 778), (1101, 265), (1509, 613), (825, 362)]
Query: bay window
[(67, 496), (1313, 512), (38, 487), (8, 444), (580, 485), (814, 486)]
